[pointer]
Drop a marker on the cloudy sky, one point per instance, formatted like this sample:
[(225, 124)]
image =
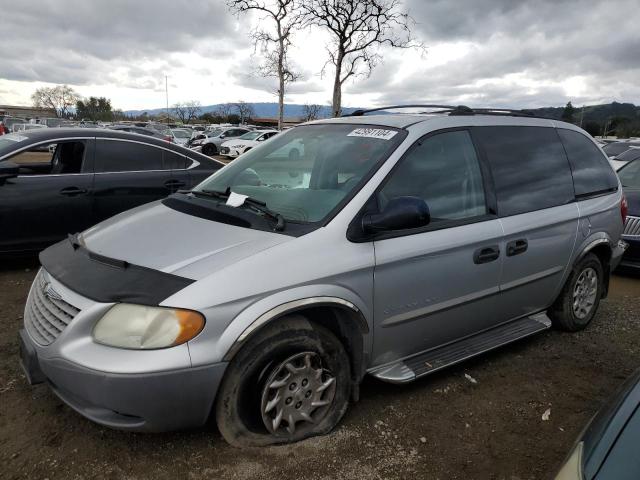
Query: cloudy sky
[(502, 53)]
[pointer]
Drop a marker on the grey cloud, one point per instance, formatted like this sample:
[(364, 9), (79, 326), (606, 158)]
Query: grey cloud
[(79, 41)]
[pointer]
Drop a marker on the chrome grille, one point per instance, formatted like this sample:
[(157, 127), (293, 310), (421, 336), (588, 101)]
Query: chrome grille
[(46, 314), (632, 227)]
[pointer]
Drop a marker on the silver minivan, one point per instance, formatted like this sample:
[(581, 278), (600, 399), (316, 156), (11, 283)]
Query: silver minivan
[(394, 245)]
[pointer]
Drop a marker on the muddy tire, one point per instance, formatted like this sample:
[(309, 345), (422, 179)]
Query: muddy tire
[(578, 302), (289, 382)]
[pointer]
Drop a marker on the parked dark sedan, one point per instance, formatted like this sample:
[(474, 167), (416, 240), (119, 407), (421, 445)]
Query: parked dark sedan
[(630, 179), (608, 447), (83, 177)]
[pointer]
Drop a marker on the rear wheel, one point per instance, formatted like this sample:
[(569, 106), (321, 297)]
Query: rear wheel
[(578, 302), (209, 149), (289, 382)]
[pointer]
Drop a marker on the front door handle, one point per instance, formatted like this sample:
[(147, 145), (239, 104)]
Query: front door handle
[(73, 191), (174, 184), (486, 254), (517, 247)]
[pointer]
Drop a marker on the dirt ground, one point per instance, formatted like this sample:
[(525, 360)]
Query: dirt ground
[(440, 427)]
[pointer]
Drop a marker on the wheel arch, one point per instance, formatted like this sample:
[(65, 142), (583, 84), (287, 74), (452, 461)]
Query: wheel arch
[(601, 247), (342, 317)]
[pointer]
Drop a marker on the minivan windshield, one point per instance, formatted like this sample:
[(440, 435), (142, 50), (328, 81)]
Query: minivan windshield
[(305, 173)]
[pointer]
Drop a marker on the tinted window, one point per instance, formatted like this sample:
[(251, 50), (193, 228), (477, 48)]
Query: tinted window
[(444, 171), (173, 161), (591, 170), (630, 175), (529, 167), (119, 156)]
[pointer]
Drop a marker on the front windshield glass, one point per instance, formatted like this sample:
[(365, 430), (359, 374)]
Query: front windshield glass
[(307, 171), (250, 136), (629, 155), (630, 175), (616, 148), (9, 140), (181, 134), (214, 133)]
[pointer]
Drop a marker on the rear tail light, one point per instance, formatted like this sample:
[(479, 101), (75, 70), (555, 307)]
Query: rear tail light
[(168, 139), (624, 209)]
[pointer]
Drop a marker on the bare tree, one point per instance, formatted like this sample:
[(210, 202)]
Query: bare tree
[(187, 111), (311, 112), (274, 42), (224, 110), (59, 99), (194, 109), (180, 111), (245, 110), (358, 28)]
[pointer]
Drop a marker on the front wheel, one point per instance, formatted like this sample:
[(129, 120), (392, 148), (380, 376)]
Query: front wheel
[(289, 382), (578, 302), (209, 149)]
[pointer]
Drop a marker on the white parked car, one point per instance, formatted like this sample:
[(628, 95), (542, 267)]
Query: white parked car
[(21, 127), (625, 157), (181, 135), (237, 146)]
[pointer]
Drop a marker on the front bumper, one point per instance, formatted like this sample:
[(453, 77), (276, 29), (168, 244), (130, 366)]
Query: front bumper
[(151, 402)]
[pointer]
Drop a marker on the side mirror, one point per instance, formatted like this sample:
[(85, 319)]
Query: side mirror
[(400, 213), (222, 135)]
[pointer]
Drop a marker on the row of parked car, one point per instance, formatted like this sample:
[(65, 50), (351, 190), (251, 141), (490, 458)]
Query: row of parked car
[(229, 140), (479, 228)]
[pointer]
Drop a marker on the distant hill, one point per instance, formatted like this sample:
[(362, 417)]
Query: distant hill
[(592, 113), (266, 109)]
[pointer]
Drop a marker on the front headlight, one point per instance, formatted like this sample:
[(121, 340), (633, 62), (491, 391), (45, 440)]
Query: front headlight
[(141, 327)]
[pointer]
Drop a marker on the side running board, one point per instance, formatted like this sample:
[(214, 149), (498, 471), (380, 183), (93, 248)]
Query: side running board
[(436, 359)]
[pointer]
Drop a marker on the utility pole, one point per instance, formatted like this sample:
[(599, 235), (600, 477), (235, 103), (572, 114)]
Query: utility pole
[(166, 91), (582, 116)]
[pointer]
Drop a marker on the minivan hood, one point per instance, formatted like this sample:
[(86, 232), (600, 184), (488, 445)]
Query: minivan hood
[(158, 237)]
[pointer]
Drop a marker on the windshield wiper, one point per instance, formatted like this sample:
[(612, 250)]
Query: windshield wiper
[(254, 203)]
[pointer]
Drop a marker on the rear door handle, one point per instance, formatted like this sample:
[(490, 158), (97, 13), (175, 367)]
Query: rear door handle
[(486, 254), (516, 247), (174, 184), (73, 191)]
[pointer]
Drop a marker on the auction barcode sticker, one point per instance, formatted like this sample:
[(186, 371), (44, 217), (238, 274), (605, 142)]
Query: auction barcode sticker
[(373, 133)]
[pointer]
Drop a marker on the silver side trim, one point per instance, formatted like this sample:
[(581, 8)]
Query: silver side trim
[(290, 307), (420, 312)]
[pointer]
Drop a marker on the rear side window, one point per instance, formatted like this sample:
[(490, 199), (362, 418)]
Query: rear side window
[(592, 173), (173, 161), (529, 167), (119, 156)]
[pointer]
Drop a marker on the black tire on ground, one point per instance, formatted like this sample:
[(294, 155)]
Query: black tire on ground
[(209, 149), (238, 408), (562, 312)]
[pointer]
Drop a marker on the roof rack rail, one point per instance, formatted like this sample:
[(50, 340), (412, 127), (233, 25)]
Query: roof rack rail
[(445, 108), (450, 109)]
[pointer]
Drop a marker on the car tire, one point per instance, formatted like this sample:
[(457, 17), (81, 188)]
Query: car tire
[(209, 149), (578, 302), (291, 369)]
